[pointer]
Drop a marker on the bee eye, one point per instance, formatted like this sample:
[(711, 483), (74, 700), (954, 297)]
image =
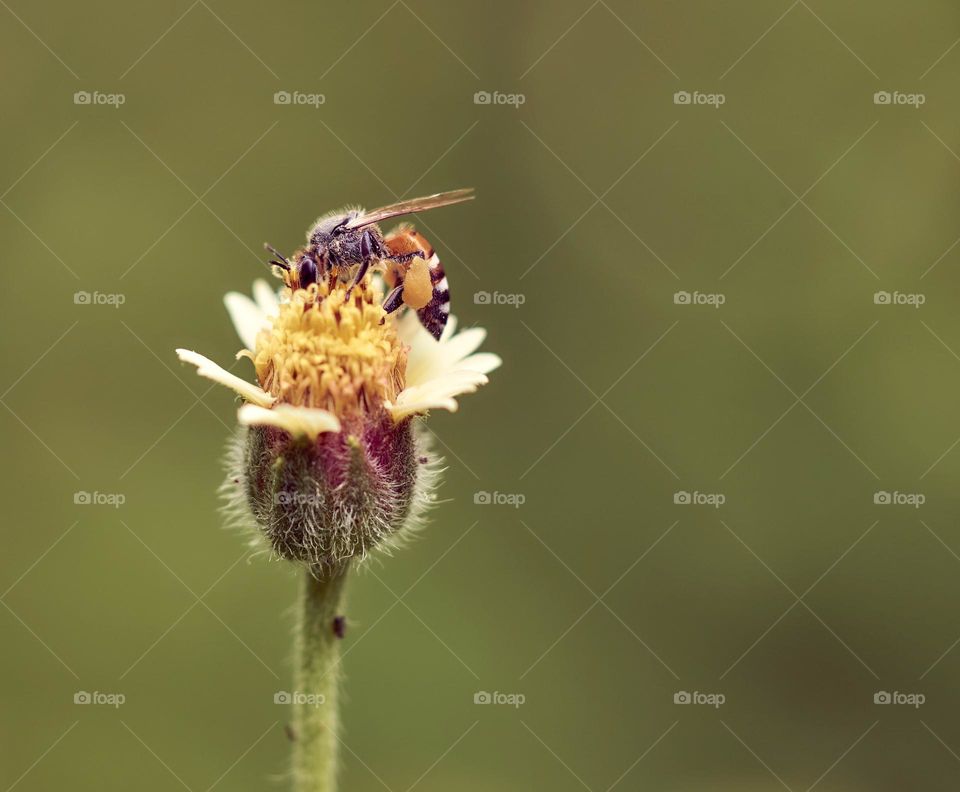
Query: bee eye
[(307, 272)]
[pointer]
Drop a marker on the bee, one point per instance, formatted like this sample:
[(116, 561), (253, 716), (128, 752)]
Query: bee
[(343, 246)]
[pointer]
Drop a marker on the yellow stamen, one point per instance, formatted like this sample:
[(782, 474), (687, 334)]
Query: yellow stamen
[(330, 351)]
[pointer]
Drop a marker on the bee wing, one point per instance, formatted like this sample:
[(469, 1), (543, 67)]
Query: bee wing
[(411, 206)]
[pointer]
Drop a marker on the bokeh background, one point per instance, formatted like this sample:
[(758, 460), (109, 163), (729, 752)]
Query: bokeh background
[(784, 187)]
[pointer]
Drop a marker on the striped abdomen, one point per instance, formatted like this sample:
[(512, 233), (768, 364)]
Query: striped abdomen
[(419, 271)]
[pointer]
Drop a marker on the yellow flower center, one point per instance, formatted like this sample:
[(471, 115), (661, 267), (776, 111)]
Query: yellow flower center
[(326, 350)]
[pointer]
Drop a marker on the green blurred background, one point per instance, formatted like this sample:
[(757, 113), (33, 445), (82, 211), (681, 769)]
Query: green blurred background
[(600, 599)]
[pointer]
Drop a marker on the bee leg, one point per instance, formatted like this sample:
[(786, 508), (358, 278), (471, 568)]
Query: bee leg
[(361, 271), (368, 245), (368, 253), (394, 300)]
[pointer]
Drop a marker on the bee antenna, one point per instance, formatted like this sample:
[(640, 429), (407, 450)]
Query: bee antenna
[(282, 264), (271, 249)]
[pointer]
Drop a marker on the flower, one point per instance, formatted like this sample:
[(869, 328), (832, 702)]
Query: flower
[(331, 459)]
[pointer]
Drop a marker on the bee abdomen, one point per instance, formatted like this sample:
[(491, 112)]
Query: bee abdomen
[(433, 316)]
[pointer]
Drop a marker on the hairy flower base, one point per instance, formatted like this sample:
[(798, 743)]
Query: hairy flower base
[(331, 458), (328, 500)]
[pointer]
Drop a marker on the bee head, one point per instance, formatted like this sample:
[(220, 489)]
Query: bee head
[(307, 271), (301, 270)]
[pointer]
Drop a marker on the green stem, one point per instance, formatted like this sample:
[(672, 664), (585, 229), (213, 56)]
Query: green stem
[(317, 680)]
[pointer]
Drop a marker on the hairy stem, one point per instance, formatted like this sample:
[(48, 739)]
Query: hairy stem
[(317, 680)]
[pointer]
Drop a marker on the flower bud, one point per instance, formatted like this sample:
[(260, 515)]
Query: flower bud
[(326, 500), (332, 458)]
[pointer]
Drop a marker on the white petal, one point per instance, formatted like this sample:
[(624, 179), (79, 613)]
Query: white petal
[(484, 362), (265, 297), (400, 411), (409, 328), (429, 359), (464, 342), (308, 421), (207, 368), (247, 317), (436, 394), (450, 328), (379, 285), (412, 332)]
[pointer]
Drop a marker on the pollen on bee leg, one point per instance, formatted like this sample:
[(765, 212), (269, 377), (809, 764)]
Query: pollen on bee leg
[(417, 287)]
